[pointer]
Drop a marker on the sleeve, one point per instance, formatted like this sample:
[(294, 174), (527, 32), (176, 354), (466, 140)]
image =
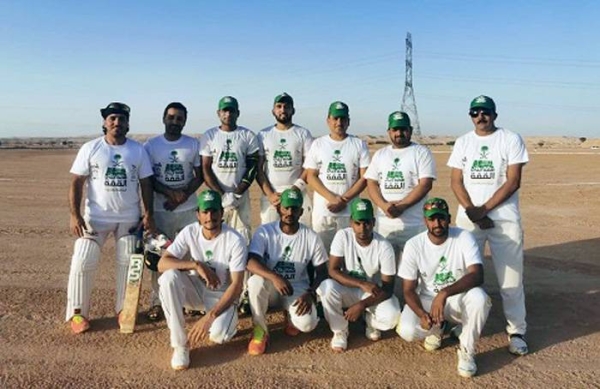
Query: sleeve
[(387, 259), (319, 255), (472, 255), (312, 161), (239, 254), (179, 248), (258, 243), (253, 145), (455, 160), (308, 141), (365, 157), (517, 152), (81, 165), (338, 244), (261, 143), (196, 162), (205, 144), (408, 265), (426, 164), (146, 165), (373, 169)]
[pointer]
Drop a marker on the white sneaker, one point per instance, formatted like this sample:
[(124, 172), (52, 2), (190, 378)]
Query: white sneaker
[(339, 342), (517, 345), (372, 334), (181, 358), (466, 364), (432, 342)]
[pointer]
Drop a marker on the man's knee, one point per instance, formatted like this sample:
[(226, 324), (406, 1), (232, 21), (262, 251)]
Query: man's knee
[(326, 288), (407, 332), (86, 255), (255, 284), (169, 277), (478, 299)]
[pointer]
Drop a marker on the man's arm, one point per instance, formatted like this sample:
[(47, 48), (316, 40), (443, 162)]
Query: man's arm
[(148, 202), (417, 194), (249, 174), (374, 191), (409, 289), (512, 184), (77, 224), (312, 176), (472, 279), (209, 175), (337, 273), (475, 214), (170, 262), (256, 266)]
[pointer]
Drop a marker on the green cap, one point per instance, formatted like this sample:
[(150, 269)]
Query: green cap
[(209, 199), (398, 119), (228, 102), (337, 109), (435, 206), (361, 209), (483, 102), (291, 198), (284, 98)]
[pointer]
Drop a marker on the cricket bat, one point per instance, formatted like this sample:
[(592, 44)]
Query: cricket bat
[(128, 315)]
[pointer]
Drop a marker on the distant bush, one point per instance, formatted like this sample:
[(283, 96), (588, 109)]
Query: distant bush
[(541, 143), (450, 143), (582, 139)]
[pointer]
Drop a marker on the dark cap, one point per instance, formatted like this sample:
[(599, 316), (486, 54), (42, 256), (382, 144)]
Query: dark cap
[(118, 108)]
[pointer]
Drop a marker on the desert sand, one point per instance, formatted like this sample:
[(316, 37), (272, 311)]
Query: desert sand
[(559, 200)]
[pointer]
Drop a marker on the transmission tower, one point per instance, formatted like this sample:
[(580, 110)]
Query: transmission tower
[(409, 104)]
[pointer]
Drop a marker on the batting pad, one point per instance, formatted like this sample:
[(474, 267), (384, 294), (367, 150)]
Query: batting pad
[(84, 263)]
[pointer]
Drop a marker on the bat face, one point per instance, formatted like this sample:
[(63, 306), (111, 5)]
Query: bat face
[(128, 315)]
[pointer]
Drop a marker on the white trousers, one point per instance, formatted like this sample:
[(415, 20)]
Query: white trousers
[(396, 234), (471, 309), (327, 226), (180, 290), (239, 218), (84, 264), (169, 223), (506, 245), (335, 297), (263, 295), (268, 213)]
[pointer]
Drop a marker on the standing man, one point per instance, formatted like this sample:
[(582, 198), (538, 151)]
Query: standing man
[(335, 166), (398, 180), (229, 163), (175, 160), (487, 164), (110, 168), (362, 268), (444, 264), (284, 147), (212, 280), (279, 256)]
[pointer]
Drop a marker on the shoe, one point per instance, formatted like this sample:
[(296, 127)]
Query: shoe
[(79, 324), (181, 358), (432, 342), (372, 334), (456, 331), (258, 343), (155, 313), (339, 342), (466, 364), (290, 329), (517, 345)]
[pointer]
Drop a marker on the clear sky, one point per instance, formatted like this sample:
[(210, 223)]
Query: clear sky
[(61, 61)]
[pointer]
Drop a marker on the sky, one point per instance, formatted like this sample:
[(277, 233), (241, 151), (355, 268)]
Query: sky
[(61, 61)]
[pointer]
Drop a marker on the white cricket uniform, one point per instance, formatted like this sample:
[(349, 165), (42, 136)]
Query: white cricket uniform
[(338, 164), (112, 205), (436, 267), (225, 254), (229, 150), (284, 152), (288, 256), (173, 163), (364, 263), (397, 172), (484, 161)]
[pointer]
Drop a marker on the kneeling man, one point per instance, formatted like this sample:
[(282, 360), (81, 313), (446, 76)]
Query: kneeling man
[(279, 255), (445, 263), (211, 281), (362, 268)]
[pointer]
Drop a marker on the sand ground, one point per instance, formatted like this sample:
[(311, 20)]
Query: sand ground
[(560, 202)]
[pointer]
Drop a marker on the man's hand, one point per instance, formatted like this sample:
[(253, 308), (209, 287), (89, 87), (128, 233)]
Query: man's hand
[(426, 321), (354, 312), (275, 198), (200, 329), (371, 288), (174, 199), (230, 201), (148, 224), (208, 275), (283, 286), (303, 304), (437, 307), (337, 205), (77, 225), (476, 213), (485, 223)]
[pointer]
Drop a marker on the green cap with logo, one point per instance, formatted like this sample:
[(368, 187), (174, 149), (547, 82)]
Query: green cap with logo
[(228, 102), (209, 199), (483, 102), (284, 98), (398, 119), (338, 109), (361, 209), (435, 206), (291, 198)]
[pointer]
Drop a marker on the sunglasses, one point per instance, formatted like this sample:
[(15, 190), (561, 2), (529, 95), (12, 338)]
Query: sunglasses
[(119, 107), (435, 205), (476, 111)]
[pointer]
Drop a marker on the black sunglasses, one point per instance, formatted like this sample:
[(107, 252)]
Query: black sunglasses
[(476, 111), (119, 107)]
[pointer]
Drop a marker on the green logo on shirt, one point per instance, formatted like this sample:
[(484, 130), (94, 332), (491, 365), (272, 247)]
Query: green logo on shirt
[(336, 170), (228, 159), (116, 175), (394, 181), (483, 169), (174, 169), (282, 158)]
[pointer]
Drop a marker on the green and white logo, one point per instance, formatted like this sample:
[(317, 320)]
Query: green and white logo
[(228, 159), (336, 170), (282, 158), (174, 169), (359, 273), (285, 267), (443, 276), (116, 175), (394, 180), (483, 168)]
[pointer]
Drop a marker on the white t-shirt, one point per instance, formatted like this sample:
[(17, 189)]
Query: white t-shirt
[(228, 150), (173, 164), (224, 254), (398, 171), (288, 255), (365, 263), (339, 164), (284, 151), (437, 267), (484, 161), (113, 174)]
